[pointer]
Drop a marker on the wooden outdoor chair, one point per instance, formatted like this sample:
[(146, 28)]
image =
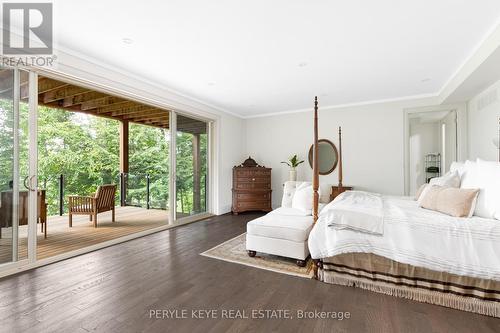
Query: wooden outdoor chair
[(102, 201)]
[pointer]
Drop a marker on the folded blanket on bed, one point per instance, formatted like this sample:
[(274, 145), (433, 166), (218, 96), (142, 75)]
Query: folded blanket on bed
[(357, 211)]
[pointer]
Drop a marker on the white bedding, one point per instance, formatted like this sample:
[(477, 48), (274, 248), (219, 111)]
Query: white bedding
[(358, 211), (419, 237)]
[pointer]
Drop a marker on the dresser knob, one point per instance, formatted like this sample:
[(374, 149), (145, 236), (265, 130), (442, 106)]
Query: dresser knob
[(253, 179)]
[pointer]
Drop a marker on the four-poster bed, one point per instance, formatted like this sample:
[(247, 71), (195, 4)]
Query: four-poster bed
[(410, 252)]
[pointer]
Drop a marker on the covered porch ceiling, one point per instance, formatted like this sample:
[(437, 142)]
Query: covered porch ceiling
[(57, 94)]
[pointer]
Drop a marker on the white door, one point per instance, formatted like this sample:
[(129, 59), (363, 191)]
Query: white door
[(18, 167)]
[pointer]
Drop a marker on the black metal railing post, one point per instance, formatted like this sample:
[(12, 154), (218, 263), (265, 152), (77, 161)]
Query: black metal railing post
[(61, 195), (123, 190), (205, 190), (147, 192)]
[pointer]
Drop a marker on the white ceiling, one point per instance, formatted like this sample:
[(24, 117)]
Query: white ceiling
[(245, 56)]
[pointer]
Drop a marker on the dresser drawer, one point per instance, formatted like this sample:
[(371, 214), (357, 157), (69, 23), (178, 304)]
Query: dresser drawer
[(257, 205), (253, 186), (255, 196), (255, 179), (253, 172)]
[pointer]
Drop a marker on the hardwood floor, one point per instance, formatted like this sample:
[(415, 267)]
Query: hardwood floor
[(61, 238), (114, 289)]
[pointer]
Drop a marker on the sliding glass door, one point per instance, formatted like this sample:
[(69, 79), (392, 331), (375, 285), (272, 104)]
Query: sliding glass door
[(159, 159), (18, 190), (191, 166)]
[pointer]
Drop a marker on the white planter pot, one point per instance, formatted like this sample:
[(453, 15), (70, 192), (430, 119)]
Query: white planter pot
[(292, 175)]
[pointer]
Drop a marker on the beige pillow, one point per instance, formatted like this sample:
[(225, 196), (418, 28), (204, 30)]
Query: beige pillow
[(420, 191), (456, 202)]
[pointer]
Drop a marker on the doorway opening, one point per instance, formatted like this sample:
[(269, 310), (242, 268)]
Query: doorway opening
[(431, 146)]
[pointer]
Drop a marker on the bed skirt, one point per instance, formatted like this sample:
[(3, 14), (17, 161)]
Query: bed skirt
[(382, 275)]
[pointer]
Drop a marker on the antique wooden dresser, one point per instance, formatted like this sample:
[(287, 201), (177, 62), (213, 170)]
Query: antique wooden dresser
[(251, 187)]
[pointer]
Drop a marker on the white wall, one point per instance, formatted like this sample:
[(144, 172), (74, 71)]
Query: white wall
[(424, 139), (483, 116), (372, 144), (232, 142)]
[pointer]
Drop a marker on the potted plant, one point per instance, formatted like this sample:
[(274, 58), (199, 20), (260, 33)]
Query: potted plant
[(293, 163)]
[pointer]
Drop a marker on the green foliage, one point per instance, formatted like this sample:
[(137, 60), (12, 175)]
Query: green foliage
[(293, 162), (149, 155), (85, 149), (185, 171), (82, 148)]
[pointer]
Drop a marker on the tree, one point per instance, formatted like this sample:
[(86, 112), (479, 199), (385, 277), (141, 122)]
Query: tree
[(85, 149)]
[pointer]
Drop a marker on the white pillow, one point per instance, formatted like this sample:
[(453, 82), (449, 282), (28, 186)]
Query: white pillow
[(472, 179), (458, 166), (303, 197), (489, 173), (289, 191), (470, 176), (451, 179)]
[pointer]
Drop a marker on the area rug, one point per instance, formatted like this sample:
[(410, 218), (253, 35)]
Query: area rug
[(234, 251)]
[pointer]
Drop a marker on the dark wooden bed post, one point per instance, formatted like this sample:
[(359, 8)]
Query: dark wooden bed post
[(315, 163), (315, 182), (340, 157)]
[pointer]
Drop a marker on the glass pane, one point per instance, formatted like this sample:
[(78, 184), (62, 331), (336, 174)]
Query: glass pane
[(148, 178), (192, 166), (23, 164), (8, 202)]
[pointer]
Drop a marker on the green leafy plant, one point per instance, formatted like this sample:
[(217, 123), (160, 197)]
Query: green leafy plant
[(293, 162)]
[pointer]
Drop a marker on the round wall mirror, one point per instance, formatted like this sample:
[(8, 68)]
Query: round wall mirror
[(328, 156)]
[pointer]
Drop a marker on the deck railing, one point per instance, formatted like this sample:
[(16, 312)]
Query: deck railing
[(149, 191)]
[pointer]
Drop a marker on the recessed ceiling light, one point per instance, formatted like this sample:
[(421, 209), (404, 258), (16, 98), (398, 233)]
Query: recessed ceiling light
[(211, 83), (425, 80), (127, 41), (302, 64)]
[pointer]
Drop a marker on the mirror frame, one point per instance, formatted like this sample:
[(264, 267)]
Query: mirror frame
[(310, 157)]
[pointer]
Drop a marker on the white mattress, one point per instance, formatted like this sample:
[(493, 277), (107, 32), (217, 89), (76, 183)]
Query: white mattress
[(419, 237)]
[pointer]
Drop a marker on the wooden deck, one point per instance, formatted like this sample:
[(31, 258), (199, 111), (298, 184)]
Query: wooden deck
[(61, 238)]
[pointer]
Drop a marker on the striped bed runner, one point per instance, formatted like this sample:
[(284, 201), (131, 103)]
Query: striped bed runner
[(379, 274)]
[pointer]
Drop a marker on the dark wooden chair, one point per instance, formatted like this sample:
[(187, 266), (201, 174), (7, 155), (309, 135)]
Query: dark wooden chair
[(6, 203), (102, 201)]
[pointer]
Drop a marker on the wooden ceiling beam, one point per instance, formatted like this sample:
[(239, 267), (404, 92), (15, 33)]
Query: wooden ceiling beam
[(82, 98), (45, 85), (117, 107), (145, 111), (157, 117), (144, 116), (146, 124), (57, 105), (132, 109), (101, 102), (152, 121), (62, 93)]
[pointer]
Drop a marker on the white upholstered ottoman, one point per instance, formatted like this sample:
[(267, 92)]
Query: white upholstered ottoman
[(278, 234), (285, 230)]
